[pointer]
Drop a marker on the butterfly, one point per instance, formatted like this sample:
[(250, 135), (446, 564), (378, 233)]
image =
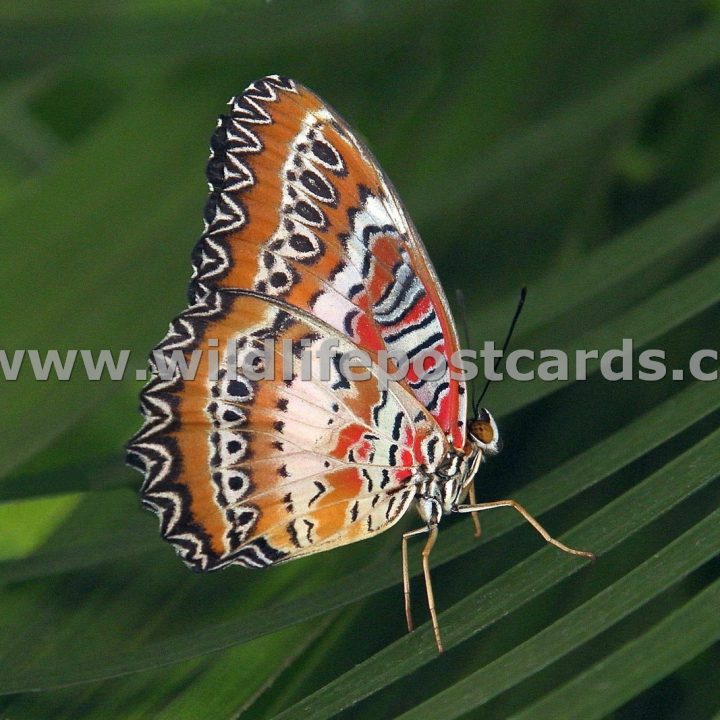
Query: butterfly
[(305, 242)]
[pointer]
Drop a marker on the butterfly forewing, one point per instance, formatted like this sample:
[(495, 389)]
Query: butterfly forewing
[(300, 211)]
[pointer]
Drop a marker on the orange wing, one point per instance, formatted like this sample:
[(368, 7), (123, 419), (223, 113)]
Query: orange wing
[(256, 471), (300, 211)]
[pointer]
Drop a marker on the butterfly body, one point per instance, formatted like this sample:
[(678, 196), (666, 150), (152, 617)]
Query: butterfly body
[(265, 453), (446, 489)]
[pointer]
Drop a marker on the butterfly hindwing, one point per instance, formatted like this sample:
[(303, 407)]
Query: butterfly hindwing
[(262, 466)]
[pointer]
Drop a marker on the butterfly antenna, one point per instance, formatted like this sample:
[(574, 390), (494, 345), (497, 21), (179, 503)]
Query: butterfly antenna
[(460, 296), (501, 357)]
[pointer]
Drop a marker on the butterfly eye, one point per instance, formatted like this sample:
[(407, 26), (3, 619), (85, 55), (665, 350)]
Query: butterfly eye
[(485, 432), (482, 431)]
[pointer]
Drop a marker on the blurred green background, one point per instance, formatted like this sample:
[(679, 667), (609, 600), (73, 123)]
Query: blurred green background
[(570, 146)]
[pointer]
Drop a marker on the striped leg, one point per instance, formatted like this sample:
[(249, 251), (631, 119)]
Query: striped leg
[(432, 537), (475, 514), (406, 573), (428, 584), (543, 532)]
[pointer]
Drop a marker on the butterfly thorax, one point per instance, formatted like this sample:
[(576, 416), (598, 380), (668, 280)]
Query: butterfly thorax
[(446, 488)]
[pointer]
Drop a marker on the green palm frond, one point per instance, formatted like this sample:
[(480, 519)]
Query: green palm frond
[(571, 147)]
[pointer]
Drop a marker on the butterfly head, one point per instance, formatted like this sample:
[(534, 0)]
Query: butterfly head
[(484, 433)]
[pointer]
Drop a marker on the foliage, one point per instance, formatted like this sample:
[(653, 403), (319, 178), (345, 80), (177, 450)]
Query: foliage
[(565, 145)]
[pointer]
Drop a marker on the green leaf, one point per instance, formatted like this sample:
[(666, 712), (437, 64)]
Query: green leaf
[(604, 687), (667, 567), (570, 126), (146, 134), (572, 148)]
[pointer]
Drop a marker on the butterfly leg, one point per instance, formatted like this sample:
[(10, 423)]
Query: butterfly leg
[(406, 573), (516, 506), (433, 530), (475, 514)]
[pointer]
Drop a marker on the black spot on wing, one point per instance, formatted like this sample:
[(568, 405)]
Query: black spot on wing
[(432, 444), (321, 489), (425, 345), (378, 408), (397, 425), (319, 187), (292, 533), (309, 525), (439, 390)]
